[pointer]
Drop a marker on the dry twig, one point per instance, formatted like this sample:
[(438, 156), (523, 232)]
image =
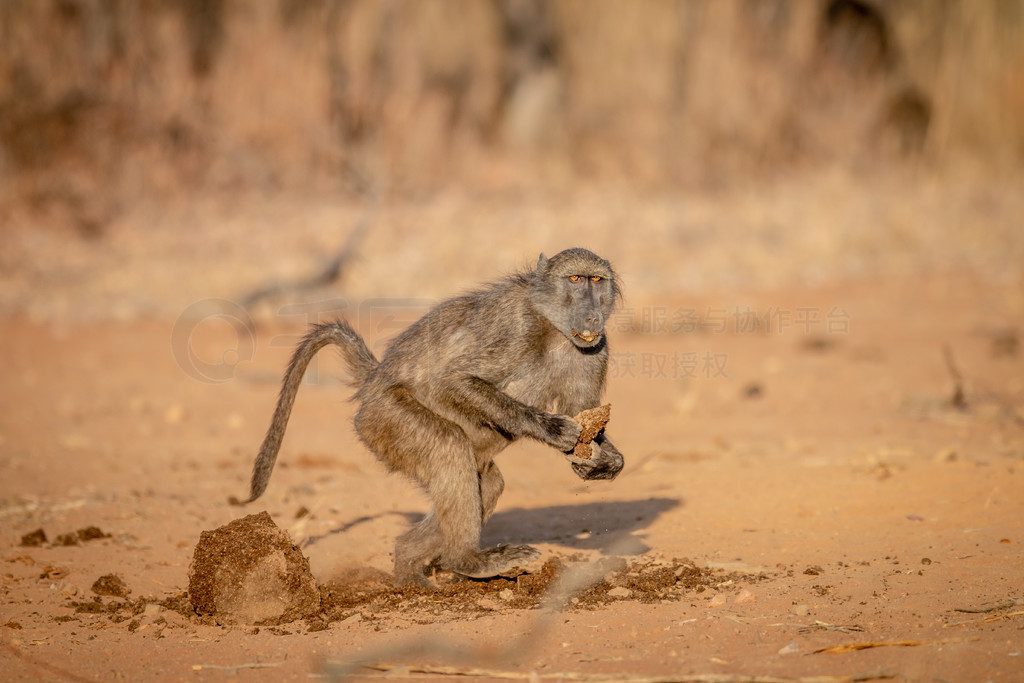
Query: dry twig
[(843, 648), (330, 272), (982, 610), (402, 671), (986, 620), (237, 667), (822, 626)]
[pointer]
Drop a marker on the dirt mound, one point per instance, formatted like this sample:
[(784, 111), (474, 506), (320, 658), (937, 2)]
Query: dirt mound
[(248, 572)]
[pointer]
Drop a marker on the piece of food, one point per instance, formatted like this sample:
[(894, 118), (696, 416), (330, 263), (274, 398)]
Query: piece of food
[(593, 422)]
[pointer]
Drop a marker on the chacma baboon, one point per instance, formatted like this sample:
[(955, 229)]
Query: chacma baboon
[(471, 376)]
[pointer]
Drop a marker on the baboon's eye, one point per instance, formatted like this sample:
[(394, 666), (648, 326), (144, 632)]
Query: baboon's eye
[(595, 278), (574, 278)]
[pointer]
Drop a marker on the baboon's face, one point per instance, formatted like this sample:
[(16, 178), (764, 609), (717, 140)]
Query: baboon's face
[(583, 294), (579, 292)]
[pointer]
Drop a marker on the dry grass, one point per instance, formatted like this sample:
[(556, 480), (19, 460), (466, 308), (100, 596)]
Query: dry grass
[(101, 101), (155, 154)]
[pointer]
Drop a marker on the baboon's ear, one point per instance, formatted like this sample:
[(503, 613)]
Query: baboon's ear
[(542, 262)]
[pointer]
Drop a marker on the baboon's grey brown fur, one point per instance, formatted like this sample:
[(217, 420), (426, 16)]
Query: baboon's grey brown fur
[(473, 375)]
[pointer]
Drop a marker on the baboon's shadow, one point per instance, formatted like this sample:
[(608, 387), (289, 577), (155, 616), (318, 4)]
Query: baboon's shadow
[(411, 518), (606, 527)]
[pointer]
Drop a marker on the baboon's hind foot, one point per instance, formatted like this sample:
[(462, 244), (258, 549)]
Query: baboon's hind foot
[(484, 564)]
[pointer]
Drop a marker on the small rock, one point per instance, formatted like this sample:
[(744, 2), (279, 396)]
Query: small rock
[(488, 604), (790, 649), (745, 596), (506, 594), (111, 584), (717, 601), (620, 592), (91, 533), (66, 539), (801, 610), (945, 455), (34, 540)]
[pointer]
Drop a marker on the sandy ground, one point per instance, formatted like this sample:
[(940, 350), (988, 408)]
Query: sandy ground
[(849, 517)]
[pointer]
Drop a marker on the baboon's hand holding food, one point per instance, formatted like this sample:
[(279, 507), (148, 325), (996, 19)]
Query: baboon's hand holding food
[(594, 456), (561, 432), (591, 422), (605, 461)]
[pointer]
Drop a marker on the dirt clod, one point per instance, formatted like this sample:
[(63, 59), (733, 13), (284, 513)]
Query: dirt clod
[(66, 539), (593, 422), (248, 572), (111, 584), (34, 539), (91, 533)]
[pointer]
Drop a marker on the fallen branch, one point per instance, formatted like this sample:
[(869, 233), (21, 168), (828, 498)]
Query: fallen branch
[(982, 610), (843, 648), (403, 671), (998, 617), (330, 272), (822, 626)]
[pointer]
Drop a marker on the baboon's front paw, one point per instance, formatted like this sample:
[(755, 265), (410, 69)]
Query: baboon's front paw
[(562, 432), (602, 464)]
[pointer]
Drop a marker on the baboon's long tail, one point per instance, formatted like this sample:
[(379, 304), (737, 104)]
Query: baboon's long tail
[(360, 361)]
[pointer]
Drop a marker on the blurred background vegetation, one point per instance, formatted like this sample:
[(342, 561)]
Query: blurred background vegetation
[(109, 105)]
